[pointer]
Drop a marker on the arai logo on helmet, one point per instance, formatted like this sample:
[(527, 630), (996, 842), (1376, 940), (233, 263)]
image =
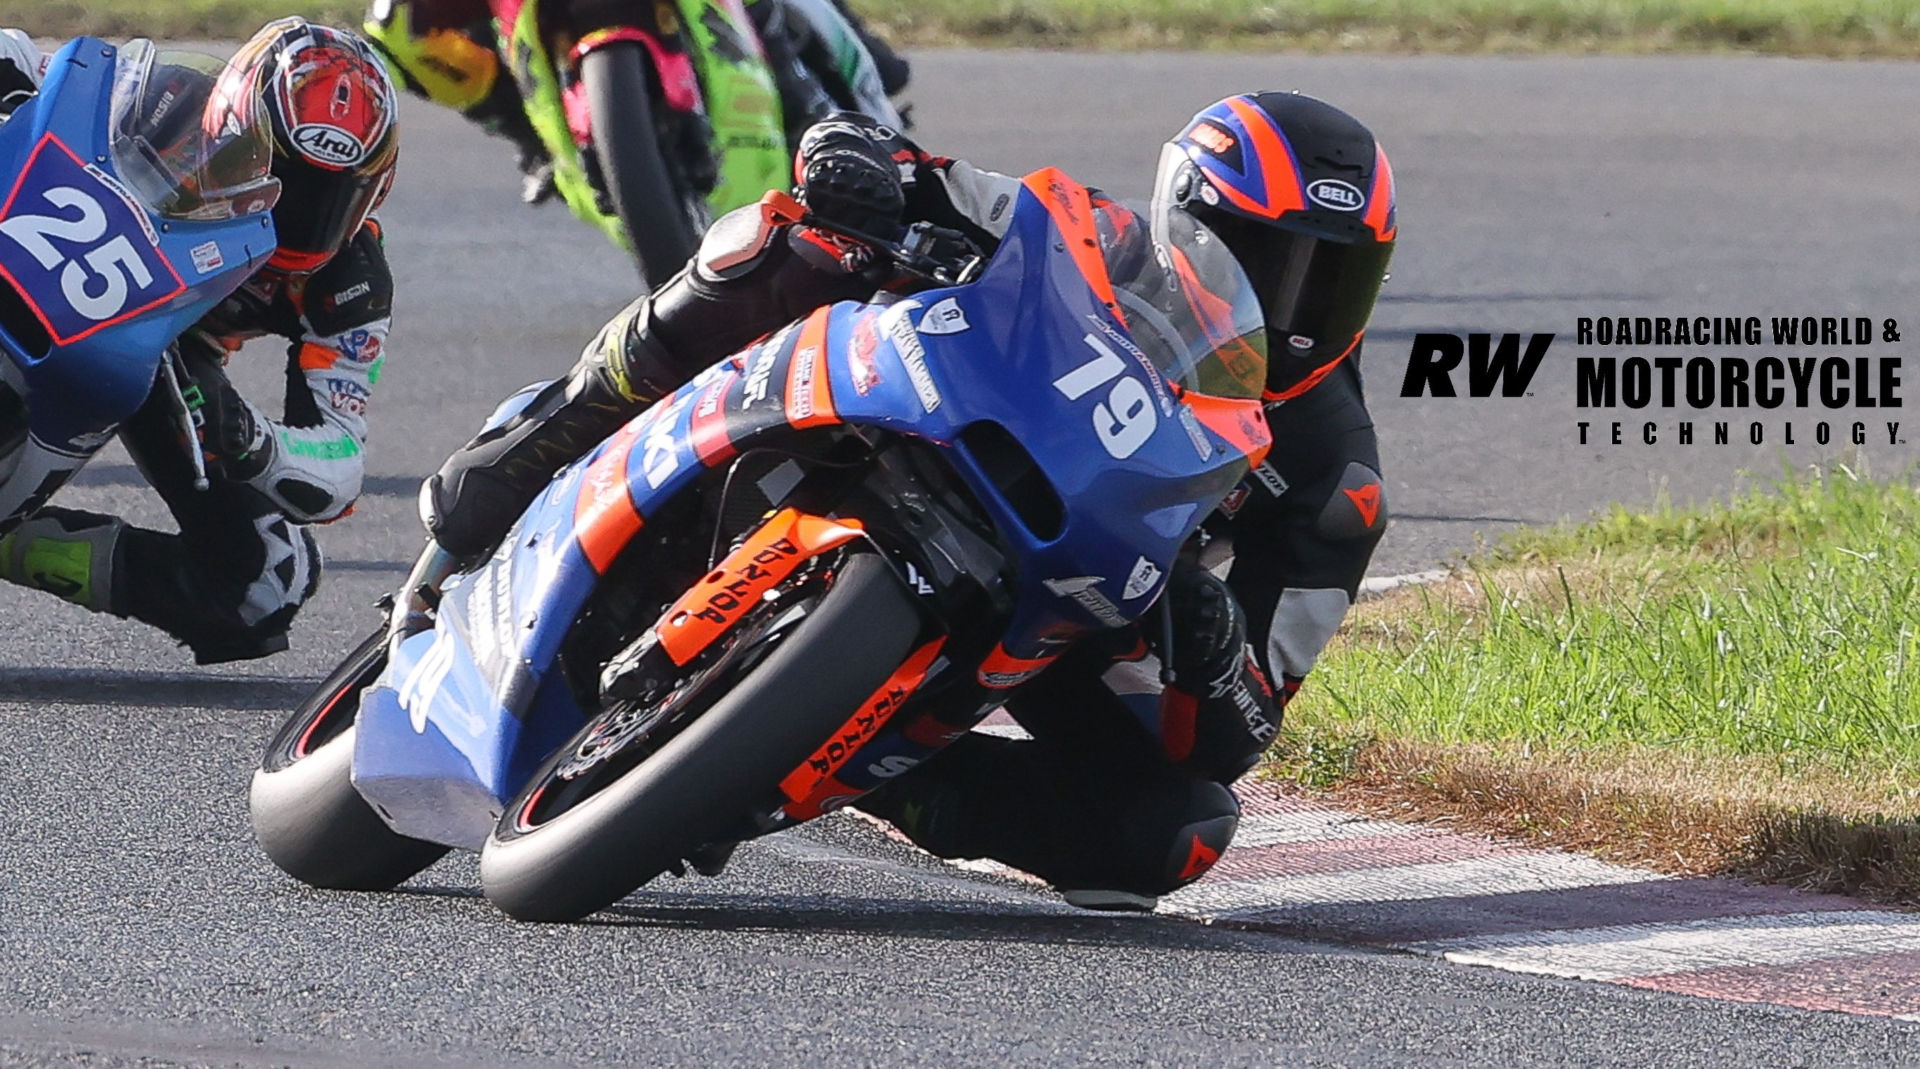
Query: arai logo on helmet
[(1335, 194), (329, 144)]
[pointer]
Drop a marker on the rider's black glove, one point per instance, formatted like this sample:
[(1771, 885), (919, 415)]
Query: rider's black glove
[(233, 437), (1233, 713), (847, 178), (1210, 630)]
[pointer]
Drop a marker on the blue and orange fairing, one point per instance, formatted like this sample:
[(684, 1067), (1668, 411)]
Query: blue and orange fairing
[(1138, 434)]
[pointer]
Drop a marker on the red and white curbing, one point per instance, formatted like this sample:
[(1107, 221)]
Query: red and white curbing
[(1307, 869)]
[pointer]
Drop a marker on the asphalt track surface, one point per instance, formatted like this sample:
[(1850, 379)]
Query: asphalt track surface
[(141, 926)]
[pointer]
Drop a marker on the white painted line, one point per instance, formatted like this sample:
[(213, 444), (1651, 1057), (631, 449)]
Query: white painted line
[(1271, 829), (1511, 874), (1378, 585), (1639, 950)]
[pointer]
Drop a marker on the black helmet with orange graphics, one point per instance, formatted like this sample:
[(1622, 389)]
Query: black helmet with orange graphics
[(1303, 196), (331, 108)]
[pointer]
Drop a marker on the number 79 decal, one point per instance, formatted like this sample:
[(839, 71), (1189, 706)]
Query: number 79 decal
[(1126, 419), (76, 250)]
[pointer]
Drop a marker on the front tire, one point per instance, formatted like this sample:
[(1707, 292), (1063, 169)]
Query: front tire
[(306, 814), (655, 214), (704, 781)]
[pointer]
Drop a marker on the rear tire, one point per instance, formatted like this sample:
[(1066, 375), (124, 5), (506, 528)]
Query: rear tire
[(703, 782), (655, 214), (306, 814)]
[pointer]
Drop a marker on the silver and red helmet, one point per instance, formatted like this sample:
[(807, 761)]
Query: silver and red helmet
[(331, 109), (1303, 196)]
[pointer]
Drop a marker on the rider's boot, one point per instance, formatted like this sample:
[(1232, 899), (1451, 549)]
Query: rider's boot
[(1105, 841), (66, 553), (103, 564)]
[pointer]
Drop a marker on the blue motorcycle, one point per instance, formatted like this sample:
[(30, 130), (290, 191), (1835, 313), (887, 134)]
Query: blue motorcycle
[(796, 577), (128, 215)]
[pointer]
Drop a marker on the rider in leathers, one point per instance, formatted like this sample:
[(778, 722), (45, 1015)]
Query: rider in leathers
[(1109, 814), (229, 583)]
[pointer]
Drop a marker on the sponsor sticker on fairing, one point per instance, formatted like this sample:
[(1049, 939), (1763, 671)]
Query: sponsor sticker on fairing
[(207, 258), (945, 317), (860, 355), (1147, 367), (1084, 591), (913, 355), (800, 382), (1191, 424), (134, 205), (760, 371), (1144, 577)]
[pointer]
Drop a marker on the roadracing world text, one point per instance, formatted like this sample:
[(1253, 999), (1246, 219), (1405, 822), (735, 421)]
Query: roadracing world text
[(1808, 374)]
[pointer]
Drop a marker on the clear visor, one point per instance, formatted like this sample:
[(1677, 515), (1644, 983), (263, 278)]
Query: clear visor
[(190, 145)]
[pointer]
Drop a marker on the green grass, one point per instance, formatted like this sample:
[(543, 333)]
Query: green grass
[(1822, 27), (1736, 670), (1807, 27), (174, 19), (1779, 624)]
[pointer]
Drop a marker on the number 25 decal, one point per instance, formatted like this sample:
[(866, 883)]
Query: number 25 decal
[(1126, 419), (96, 282)]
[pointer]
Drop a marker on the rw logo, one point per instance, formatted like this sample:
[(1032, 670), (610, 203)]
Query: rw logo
[(1430, 365)]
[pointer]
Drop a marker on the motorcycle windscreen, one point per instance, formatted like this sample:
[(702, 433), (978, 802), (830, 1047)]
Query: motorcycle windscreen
[(189, 136), (1186, 300)]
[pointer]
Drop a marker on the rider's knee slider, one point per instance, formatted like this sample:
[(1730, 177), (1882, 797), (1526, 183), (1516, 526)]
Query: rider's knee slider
[(1356, 509)]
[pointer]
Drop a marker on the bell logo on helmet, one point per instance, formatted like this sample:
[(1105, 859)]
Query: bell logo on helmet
[(328, 144), (1338, 195)]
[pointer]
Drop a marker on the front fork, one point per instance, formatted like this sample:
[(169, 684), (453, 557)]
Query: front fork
[(410, 610)]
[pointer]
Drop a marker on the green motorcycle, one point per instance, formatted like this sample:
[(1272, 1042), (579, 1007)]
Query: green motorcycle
[(657, 116)]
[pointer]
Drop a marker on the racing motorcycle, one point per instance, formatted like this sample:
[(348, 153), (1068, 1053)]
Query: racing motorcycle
[(795, 577), (124, 222), (659, 118)]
